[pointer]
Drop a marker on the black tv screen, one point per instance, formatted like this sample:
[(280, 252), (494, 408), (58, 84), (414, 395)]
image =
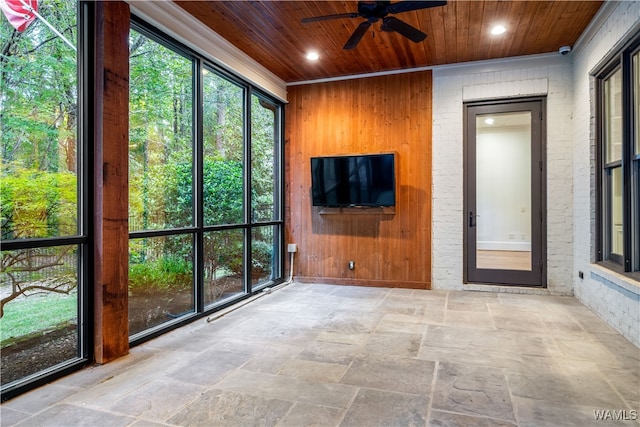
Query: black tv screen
[(365, 180)]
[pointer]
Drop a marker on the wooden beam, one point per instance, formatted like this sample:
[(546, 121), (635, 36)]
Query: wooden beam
[(111, 136)]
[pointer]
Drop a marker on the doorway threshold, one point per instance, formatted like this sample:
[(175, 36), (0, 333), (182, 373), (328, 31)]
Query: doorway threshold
[(511, 289)]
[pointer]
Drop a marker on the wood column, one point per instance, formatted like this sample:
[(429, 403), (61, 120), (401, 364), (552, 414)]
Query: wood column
[(111, 201)]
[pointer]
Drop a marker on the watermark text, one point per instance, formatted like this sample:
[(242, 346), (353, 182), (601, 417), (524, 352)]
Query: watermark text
[(615, 414)]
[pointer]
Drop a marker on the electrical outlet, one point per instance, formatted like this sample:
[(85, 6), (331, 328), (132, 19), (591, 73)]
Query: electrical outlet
[(352, 265), (292, 247), (512, 236)]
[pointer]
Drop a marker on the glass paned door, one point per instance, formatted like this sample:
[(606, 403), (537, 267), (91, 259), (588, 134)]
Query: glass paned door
[(503, 193)]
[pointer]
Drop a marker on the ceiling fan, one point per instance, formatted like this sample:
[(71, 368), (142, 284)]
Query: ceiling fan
[(374, 11)]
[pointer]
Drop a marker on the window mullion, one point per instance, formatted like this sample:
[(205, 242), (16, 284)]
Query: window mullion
[(198, 189), (627, 155), (248, 203)]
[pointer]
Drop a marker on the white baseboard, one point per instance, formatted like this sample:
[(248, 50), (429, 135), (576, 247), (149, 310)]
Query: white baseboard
[(504, 246)]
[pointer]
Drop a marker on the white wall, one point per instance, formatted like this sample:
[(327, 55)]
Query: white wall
[(503, 188), (549, 75), (613, 297)]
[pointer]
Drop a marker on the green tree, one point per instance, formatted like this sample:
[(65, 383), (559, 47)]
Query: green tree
[(38, 151), (38, 120), (160, 87), (38, 204), (38, 92)]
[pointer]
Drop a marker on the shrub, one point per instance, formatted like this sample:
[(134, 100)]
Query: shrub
[(167, 274)]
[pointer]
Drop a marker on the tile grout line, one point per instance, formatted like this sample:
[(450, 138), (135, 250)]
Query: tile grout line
[(348, 406), (514, 407), (433, 391)]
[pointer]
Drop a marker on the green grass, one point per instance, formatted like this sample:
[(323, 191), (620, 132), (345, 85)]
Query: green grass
[(30, 315)]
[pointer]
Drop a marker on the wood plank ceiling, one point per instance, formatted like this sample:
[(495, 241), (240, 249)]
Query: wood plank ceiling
[(272, 34)]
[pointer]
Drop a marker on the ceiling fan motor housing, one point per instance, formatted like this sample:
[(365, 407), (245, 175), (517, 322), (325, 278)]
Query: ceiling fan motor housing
[(373, 11)]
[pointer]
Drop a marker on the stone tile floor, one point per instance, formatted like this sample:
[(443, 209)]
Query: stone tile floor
[(323, 355)]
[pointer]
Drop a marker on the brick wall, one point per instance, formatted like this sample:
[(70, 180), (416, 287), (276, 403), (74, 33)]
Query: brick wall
[(613, 297), (548, 75), (570, 158)]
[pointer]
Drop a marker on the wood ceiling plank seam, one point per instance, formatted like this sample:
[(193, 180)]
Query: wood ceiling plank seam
[(416, 52), (267, 35), (477, 32), (549, 28), (537, 27), (450, 40), (439, 32), (462, 31), (428, 46), (259, 39), (506, 39), (519, 26), (409, 48), (568, 18), (570, 15), (222, 22), (486, 45)]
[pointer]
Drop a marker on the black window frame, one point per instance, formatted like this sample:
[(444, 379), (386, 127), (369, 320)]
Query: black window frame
[(197, 229), (627, 263), (83, 237)]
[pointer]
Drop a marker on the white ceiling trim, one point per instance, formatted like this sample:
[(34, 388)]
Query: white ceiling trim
[(460, 68), (176, 22)]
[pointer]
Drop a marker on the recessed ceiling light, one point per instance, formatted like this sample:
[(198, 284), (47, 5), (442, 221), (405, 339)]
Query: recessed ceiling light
[(489, 121), (313, 56), (498, 29)]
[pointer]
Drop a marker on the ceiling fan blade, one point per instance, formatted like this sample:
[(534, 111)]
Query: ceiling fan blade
[(391, 23), (406, 6), (327, 17), (357, 35)]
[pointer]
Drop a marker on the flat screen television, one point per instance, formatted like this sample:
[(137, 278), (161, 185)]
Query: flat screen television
[(353, 181)]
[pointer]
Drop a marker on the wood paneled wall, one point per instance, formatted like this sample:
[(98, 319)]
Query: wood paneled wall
[(362, 116)]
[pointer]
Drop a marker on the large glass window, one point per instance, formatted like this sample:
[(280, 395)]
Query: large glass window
[(223, 149), (160, 138), (160, 280), (161, 195), (636, 98), (204, 192), (43, 236), (264, 154), (619, 113), (612, 141), (223, 267), (265, 200)]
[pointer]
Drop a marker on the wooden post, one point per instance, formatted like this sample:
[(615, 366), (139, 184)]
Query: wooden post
[(111, 201)]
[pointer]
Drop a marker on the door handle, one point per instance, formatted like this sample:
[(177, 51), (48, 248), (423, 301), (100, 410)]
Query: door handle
[(472, 223)]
